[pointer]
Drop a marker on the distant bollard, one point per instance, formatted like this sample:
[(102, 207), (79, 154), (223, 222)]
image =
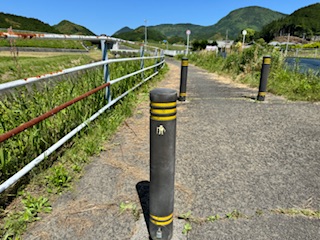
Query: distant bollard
[(264, 78), (183, 79), (162, 162)]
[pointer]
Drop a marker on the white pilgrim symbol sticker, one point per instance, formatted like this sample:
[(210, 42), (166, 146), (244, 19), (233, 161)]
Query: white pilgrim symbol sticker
[(161, 130)]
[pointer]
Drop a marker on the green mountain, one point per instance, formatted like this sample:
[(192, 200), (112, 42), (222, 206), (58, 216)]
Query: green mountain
[(24, 23), (138, 34), (232, 24), (305, 23), (123, 30), (242, 18), (67, 27), (179, 30), (32, 24)]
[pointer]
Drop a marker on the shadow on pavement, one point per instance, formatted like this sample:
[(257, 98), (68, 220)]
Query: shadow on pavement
[(143, 192)]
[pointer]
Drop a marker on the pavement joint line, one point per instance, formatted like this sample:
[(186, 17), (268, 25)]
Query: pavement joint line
[(235, 214)]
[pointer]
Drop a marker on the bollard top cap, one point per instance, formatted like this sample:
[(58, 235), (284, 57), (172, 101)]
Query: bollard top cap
[(163, 95)]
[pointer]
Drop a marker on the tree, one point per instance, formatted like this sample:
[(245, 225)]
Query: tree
[(250, 36), (176, 39), (199, 45)]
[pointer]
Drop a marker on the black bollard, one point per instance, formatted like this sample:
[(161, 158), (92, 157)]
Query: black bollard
[(183, 79), (264, 78), (162, 162)]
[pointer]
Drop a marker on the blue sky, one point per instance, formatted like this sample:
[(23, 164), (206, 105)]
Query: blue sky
[(103, 16)]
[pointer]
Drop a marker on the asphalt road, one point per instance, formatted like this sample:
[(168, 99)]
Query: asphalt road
[(233, 155)]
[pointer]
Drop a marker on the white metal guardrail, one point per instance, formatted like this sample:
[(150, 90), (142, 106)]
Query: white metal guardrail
[(63, 140), (21, 82), (173, 53), (29, 35), (25, 81)]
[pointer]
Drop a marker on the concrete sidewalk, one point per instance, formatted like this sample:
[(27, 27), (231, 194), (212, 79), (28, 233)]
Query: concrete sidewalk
[(237, 158)]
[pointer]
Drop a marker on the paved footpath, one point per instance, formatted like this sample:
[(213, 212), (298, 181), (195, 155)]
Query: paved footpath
[(235, 157)]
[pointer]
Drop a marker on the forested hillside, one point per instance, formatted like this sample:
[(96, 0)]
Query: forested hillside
[(123, 30), (24, 23), (67, 27), (250, 17), (139, 35), (32, 24), (304, 23)]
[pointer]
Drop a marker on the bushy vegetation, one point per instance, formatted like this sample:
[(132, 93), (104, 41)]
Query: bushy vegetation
[(199, 45), (245, 67), (308, 45)]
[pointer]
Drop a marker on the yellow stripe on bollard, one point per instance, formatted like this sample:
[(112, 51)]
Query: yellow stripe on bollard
[(158, 111), (163, 105), (163, 111), (267, 61), (161, 221), (262, 94), (166, 218), (184, 63)]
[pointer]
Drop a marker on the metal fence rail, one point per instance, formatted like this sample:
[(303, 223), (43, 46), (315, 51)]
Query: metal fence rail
[(32, 35), (159, 62), (25, 81)]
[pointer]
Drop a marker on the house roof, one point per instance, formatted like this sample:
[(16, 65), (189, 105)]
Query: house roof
[(225, 43)]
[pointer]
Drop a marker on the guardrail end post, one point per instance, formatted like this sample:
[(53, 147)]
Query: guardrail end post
[(162, 162)]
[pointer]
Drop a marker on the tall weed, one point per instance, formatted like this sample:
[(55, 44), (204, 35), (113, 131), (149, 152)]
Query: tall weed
[(26, 103)]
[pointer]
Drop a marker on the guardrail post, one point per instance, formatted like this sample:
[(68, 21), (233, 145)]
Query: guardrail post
[(162, 162), (142, 61), (104, 49), (183, 79), (162, 57), (264, 78), (156, 61)]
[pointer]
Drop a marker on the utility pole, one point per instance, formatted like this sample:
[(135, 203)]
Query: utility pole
[(145, 32), (286, 52)]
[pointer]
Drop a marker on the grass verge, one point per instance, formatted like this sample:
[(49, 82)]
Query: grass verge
[(31, 66)]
